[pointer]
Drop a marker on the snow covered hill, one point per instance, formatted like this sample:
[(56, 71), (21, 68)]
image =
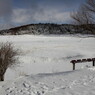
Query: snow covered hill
[(79, 82), (46, 29)]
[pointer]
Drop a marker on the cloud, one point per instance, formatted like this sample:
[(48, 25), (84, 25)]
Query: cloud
[(35, 11), (46, 11), (53, 16), (20, 16), (24, 16), (5, 8)]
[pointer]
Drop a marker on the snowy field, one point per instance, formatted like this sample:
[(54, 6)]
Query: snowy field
[(49, 54)]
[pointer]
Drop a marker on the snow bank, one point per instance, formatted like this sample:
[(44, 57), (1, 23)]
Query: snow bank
[(79, 82)]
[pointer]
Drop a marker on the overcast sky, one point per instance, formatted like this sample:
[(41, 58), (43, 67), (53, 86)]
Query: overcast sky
[(19, 12)]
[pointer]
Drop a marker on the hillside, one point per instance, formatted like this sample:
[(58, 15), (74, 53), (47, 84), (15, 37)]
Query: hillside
[(46, 29)]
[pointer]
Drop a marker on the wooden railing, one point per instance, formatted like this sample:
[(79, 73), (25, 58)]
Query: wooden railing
[(83, 60)]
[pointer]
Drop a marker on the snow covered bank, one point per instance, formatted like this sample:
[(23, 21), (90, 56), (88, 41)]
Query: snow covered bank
[(79, 82)]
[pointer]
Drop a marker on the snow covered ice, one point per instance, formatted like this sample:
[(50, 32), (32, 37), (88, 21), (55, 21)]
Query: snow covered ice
[(50, 55)]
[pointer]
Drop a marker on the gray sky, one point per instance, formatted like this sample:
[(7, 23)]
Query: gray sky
[(19, 12)]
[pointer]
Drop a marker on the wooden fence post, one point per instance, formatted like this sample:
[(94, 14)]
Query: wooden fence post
[(93, 63), (82, 60), (73, 66)]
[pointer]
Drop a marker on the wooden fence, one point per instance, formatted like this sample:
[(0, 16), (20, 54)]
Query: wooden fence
[(83, 60)]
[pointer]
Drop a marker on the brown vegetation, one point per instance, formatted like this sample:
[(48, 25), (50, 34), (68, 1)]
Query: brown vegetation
[(8, 58)]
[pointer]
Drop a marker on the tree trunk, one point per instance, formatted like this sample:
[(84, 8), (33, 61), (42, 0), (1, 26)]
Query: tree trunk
[(1, 77)]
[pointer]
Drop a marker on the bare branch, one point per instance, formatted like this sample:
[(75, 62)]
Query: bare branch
[(85, 16), (8, 57)]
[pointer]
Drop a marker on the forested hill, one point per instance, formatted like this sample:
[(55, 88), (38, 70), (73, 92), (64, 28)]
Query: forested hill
[(46, 29)]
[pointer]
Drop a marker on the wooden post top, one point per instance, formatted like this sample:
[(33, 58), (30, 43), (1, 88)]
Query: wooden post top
[(82, 60)]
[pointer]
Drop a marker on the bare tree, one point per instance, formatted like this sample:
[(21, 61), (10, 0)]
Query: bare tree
[(81, 17), (8, 57), (85, 16), (90, 6)]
